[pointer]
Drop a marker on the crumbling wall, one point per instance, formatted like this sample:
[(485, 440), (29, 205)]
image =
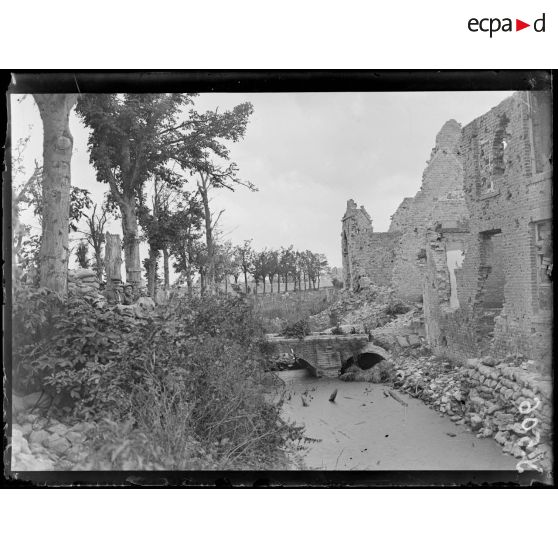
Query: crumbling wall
[(356, 230), (380, 252), (440, 197), (396, 257), (504, 297), (366, 254)]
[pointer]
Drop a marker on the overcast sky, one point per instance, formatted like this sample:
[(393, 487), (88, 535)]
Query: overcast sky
[(307, 153)]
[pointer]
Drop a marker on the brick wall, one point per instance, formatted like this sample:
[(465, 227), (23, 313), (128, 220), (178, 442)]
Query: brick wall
[(507, 186), (394, 258)]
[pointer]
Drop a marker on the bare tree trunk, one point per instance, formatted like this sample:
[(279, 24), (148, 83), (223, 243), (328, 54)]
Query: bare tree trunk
[(57, 155), (202, 281), (113, 258), (210, 274), (131, 241), (189, 282), (99, 262), (152, 271), (271, 283), (166, 267), (278, 284), (245, 282)]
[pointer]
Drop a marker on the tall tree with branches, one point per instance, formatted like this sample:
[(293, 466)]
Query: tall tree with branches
[(56, 184), (186, 222), (245, 254), (131, 136), (209, 159)]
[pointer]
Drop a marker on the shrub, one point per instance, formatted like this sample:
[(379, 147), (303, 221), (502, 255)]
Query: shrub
[(182, 386), (298, 329), (70, 349)]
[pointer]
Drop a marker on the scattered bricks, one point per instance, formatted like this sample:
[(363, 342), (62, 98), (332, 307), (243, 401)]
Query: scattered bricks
[(52, 439), (486, 432), (493, 408), (38, 436), (402, 341), (527, 393), (73, 437), (517, 451), (508, 447), (476, 402), (414, 340), (518, 429), (476, 422), (488, 361), (58, 428), (472, 363), (26, 429), (60, 445)]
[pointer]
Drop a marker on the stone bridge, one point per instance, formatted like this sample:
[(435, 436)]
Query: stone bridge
[(326, 354)]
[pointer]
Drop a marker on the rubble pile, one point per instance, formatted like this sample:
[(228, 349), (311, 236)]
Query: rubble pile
[(41, 443), (507, 400), (84, 282), (371, 307)]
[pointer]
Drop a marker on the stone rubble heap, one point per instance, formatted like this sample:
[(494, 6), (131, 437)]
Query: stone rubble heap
[(371, 307), (46, 444), (493, 398), (84, 282)]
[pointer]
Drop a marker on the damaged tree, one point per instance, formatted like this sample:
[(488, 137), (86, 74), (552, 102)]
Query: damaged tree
[(129, 139), (57, 154)]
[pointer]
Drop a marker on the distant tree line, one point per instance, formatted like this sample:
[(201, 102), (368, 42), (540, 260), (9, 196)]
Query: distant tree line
[(273, 268)]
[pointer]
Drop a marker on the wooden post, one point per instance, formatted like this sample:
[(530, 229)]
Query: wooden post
[(113, 258)]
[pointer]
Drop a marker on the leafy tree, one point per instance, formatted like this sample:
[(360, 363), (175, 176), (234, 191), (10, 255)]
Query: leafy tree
[(272, 267), (208, 159), (130, 138), (224, 262), (186, 222), (287, 264), (316, 265), (235, 264), (22, 184), (244, 253), (259, 268)]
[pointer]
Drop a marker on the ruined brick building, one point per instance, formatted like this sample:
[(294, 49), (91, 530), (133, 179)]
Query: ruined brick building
[(475, 242)]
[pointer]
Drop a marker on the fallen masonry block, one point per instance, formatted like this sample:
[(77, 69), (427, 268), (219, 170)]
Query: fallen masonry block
[(414, 340), (402, 341)]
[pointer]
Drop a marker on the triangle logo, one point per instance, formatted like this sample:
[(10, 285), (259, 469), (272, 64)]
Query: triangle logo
[(519, 25)]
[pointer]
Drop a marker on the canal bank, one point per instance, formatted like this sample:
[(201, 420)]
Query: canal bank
[(365, 428)]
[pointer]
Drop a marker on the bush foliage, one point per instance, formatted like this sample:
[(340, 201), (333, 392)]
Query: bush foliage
[(299, 329), (188, 379)]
